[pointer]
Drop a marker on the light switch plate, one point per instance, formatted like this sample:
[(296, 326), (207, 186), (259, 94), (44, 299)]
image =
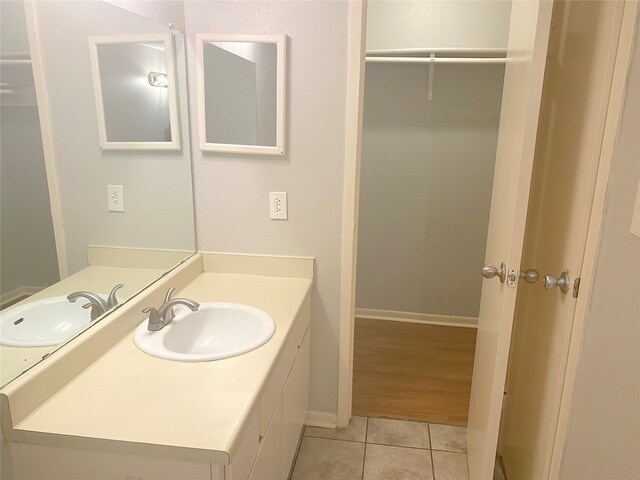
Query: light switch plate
[(278, 205), (115, 198)]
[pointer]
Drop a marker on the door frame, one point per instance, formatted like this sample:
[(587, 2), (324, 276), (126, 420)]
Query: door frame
[(350, 204), (44, 113), (613, 117)]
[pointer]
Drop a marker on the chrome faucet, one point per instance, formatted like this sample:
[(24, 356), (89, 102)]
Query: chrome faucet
[(98, 305), (161, 317)]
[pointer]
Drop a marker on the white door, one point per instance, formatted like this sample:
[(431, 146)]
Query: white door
[(524, 73), (565, 171)]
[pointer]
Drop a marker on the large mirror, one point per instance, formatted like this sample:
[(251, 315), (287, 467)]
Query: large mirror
[(241, 90), (83, 228), (134, 83)]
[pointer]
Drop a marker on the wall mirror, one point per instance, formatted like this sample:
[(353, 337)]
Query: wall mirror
[(241, 93), (75, 216), (134, 84)]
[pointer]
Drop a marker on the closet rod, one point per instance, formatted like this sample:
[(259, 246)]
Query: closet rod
[(15, 62), (451, 60)]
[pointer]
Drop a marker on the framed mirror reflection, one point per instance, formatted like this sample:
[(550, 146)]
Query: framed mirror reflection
[(134, 83), (241, 93)]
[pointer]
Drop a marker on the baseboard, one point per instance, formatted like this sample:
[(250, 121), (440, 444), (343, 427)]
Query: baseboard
[(321, 419), (17, 293), (409, 317)]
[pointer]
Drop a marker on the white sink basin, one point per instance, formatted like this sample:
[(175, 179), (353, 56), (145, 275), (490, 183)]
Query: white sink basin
[(42, 323), (213, 332)]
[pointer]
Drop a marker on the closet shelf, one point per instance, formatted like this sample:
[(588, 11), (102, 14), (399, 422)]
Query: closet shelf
[(438, 55)]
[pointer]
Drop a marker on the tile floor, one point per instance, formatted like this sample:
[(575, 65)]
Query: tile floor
[(382, 449)]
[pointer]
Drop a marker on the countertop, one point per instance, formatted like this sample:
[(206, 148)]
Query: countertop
[(185, 410)]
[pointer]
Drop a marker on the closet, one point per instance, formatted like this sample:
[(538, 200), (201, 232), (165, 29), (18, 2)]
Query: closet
[(27, 246), (433, 91)]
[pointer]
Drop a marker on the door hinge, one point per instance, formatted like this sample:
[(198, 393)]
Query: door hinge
[(576, 287)]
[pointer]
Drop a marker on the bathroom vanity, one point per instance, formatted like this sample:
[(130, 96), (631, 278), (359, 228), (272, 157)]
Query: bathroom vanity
[(101, 408)]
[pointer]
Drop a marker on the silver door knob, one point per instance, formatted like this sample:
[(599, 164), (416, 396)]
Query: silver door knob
[(530, 276), (564, 282), (489, 271)]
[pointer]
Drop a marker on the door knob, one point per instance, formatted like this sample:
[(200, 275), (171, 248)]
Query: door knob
[(530, 276), (563, 282), (489, 271)]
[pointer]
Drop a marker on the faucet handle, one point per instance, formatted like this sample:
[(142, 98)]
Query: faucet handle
[(112, 301)]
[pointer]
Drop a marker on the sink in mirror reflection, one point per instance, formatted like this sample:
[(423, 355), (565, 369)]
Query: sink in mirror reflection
[(43, 322), (216, 330), (63, 227)]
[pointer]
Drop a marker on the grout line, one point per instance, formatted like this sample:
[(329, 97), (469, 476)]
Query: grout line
[(364, 457), (366, 431), (448, 451), (329, 438), (433, 467), (397, 446)]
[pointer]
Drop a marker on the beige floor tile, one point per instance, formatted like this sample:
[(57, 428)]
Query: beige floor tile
[(383, 462), (450, 466), (327, 459), (400, 433), (448, 438), (355, 431)]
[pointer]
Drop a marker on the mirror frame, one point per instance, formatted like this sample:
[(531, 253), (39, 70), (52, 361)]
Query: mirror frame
[(281, 61), (174, 123)]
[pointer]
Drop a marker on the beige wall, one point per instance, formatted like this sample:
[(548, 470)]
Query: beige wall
[(232, 191), (427, 166), (437, 23), (427, 173), (604, 429)]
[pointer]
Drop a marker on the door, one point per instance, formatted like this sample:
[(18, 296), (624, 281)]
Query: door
[(526, 55), (577, 87)]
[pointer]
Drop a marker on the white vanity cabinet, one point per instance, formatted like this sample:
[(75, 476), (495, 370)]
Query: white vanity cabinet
[(265, 451), (43, 462)]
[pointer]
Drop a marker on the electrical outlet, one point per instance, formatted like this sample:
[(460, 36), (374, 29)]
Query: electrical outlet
[(278, 205), (115, 198)]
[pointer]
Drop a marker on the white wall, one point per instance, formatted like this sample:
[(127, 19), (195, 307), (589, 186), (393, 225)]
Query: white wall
[(425, 193), (427, 166), (28, 247), (604, 431), (231, 191), (437, 23), (157, 184), (165, 12)]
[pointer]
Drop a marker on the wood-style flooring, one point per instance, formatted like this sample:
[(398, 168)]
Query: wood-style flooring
[(412, 371)]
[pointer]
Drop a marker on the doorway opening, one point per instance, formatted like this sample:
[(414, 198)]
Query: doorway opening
[(432, 100)]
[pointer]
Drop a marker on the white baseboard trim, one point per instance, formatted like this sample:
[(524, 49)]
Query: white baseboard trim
[(321, 419), (17, 293), (409, 317)]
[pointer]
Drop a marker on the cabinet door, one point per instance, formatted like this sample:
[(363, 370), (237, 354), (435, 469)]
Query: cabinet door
[(268, 465), (37, 462), (295, 402)]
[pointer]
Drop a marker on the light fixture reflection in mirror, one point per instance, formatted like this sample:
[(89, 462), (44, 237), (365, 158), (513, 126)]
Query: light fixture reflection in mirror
[(157, 79)]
